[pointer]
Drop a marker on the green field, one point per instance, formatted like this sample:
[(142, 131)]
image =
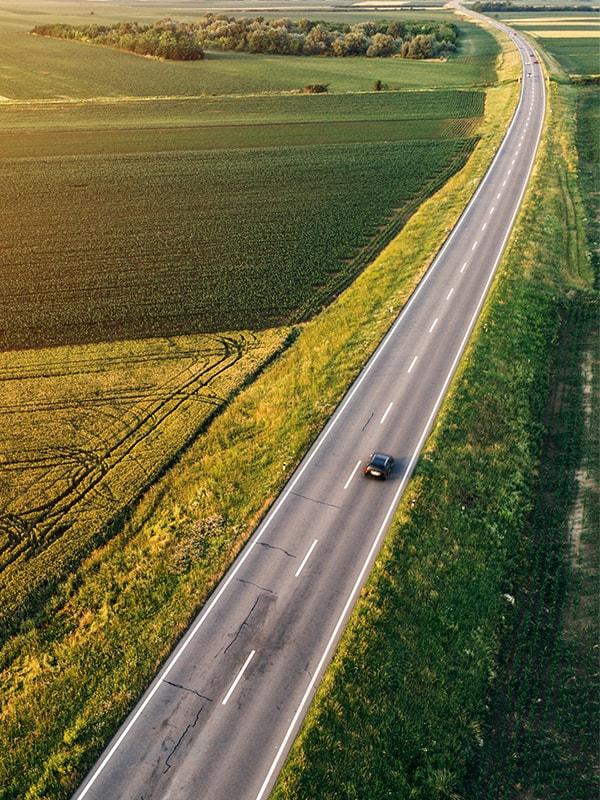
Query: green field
[(576, 56), (198, 241), (576, 41), (34, 67)]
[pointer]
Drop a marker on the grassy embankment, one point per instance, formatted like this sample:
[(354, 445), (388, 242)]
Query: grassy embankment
[(541, 732), (462, 609), (100, 639)]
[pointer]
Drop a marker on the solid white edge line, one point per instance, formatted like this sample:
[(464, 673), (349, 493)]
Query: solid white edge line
[(238, 678), (252, 542), (412, 363), (403, 482), (436, 319), (307, 556), (352, 474), (387, 411)]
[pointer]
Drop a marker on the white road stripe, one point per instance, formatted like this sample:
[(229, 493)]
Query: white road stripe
[(307, 556), (464, 266), (499, 195), (238, 678), (412, 363), (450, 293), (492, 209), (352, 474), (484, 226), (435, 321), (474, 245), (387, 411)]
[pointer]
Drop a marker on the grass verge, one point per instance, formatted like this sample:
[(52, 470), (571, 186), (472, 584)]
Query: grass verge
[(401, 712), (99, 640)]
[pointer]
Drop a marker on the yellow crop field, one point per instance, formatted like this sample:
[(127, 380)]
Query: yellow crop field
[(554, 34), (86, 428)]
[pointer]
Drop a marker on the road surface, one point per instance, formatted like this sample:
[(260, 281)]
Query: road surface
[(219, 719)]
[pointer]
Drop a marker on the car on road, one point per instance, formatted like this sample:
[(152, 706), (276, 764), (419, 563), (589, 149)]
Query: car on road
[(379, 466)]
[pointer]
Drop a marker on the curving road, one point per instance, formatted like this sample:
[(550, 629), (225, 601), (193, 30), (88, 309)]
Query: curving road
[(218, 720)]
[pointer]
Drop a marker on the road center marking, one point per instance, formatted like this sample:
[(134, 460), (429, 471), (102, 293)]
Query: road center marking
[(310, 549), (450, 293), (434, 323), (464, 266), (387, 411), (492, 209), (412, 363), (474, 245), (499, 195), (238, 678), (484, 226), (352, 474)]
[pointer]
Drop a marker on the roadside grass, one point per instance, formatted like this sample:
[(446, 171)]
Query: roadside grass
[(588, 146), (403, 710), (541, 732), (540, 738), (99, 639)]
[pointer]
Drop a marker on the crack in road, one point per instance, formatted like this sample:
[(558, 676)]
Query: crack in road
[(369, 420), (312, 500), (180, 740), (251, 583), (187, 689), (274, 547), (245, 622)]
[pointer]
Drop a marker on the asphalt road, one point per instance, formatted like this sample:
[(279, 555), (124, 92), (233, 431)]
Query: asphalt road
[(218, 720)]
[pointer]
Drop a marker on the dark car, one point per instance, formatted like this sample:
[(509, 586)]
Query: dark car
[(379, 466)]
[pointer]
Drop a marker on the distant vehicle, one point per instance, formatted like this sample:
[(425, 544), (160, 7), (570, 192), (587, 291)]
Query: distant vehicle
[(379, 466)]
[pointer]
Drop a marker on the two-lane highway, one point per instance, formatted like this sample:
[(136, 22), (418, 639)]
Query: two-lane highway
[(218, 720)]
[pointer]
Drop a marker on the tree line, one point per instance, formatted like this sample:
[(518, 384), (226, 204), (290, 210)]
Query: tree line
[(185, 41)]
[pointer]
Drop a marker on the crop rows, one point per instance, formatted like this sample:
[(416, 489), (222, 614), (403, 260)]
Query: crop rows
[(176, 243), (220, 111), (86, 429)]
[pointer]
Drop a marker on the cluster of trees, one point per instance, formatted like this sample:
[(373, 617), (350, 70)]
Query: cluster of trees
[(187, 40), (164, 39)]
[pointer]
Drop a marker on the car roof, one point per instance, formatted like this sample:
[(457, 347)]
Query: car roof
[(380, 457)]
